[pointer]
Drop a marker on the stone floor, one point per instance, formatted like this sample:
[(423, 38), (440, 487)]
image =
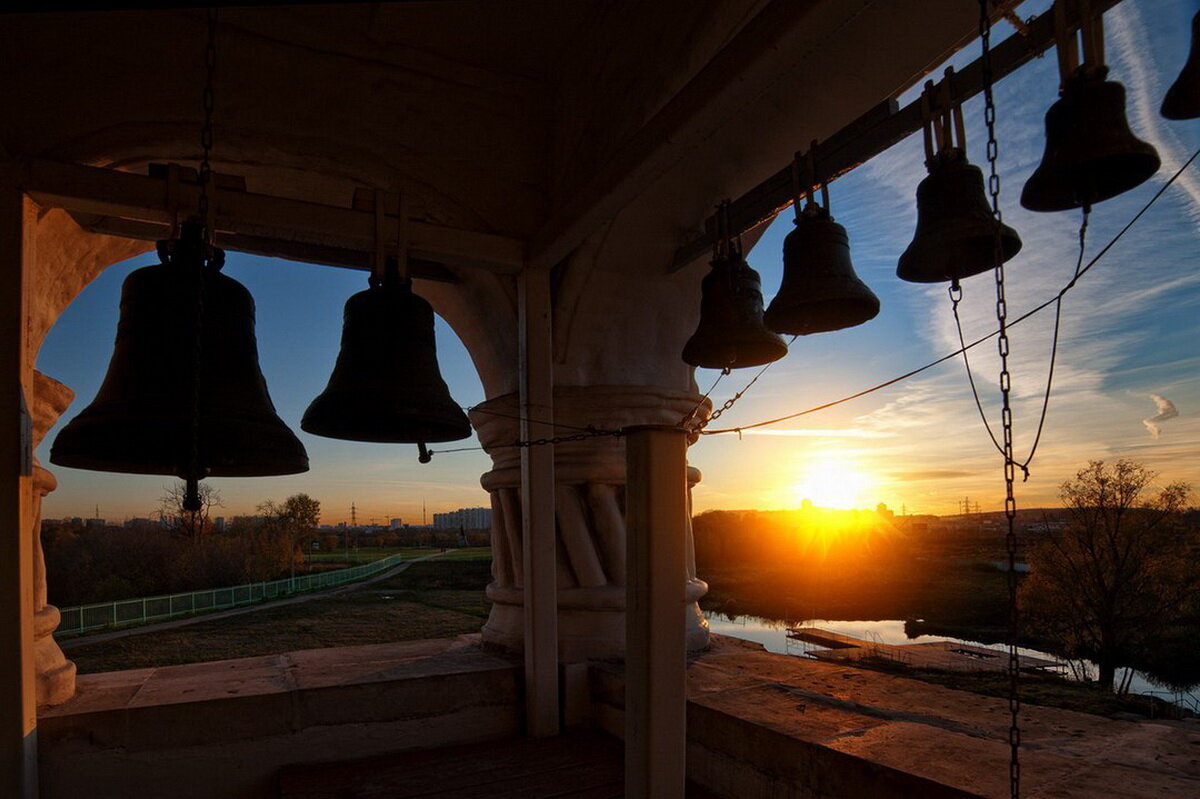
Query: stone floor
[(573, 766), (759, 724)]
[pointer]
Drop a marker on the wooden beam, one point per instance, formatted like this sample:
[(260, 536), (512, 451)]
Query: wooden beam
[(539, 531), (18, 689), (100, 193), (323, 255), (879, 129), (656, 512)]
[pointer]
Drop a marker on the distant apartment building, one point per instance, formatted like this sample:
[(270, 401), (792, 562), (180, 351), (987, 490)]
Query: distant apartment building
[(464, 518), (219, 524), (395, 524)]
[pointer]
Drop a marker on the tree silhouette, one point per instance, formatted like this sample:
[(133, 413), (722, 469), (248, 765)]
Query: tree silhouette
[(1122, 570), (192, 524)]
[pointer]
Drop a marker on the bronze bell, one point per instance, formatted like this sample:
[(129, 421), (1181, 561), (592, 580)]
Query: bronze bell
[(820, 291), (1182, 100), (956, 231), (731, 333), (386, 385), (141, 420), (1091, 154)]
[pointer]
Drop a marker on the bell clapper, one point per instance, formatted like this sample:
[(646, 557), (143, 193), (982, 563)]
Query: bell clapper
[(191, 496), (423, 453)]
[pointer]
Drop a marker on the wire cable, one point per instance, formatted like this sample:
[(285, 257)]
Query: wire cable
[(1038, 309)]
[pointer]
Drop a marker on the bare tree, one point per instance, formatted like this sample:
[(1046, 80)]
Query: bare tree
[(193, 524), (297, 518), (1122, 570)]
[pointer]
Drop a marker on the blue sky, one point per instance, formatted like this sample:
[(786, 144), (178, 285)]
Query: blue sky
[(1130, 330)]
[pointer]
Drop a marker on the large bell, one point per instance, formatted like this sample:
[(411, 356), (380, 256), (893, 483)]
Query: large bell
[(141, 421), (820, 291), (731, 334), (1182, 100), (1091, 154), (386, 385), (956, 231)]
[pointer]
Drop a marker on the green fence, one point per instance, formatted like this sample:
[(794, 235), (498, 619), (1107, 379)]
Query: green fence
[(109, 615)]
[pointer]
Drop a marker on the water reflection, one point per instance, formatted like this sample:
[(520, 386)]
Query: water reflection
[(772, 634)]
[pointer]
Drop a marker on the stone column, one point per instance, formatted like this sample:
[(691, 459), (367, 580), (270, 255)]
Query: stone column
[(55, 674), (590, 510)]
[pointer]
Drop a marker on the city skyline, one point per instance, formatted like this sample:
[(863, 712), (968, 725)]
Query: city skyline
[(1126, 382)]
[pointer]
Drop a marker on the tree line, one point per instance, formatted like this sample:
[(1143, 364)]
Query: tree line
[(182, 552)]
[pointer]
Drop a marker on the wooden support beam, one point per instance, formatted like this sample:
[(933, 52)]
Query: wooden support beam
[(18, 690), (276, 223), (539, 531), (879, 129), (324, 255), (656, 512)]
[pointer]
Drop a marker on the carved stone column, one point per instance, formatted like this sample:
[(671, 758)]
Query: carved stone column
[(590, 510), (55, 674)]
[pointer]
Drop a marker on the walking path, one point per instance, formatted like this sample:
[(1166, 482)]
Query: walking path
[(72, 644)]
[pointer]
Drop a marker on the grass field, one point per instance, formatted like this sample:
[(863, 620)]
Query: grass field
[(371, 554), (431, 599)]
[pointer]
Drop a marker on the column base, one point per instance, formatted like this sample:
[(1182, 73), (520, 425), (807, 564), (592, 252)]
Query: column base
[(591, 621), (55, 674)]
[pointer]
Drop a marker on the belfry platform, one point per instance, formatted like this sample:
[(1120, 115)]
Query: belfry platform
[(429, 718)]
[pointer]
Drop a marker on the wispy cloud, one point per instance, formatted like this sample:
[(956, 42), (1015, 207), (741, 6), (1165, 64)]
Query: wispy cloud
[(816, 433), (1166, 410)]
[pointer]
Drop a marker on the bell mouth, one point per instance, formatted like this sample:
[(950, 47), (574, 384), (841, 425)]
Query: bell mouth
[(823, 316), (352, 417), (104, 440), (945, 257)]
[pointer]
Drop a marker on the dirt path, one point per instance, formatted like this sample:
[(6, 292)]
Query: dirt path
[(71, 644)]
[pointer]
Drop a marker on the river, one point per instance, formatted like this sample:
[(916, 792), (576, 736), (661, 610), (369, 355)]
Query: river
[(772, 634)]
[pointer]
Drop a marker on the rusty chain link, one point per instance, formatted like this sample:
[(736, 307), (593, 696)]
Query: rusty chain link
[(1006, 419)]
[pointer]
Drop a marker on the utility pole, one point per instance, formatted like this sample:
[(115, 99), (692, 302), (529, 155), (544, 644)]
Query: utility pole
[(353, 524)]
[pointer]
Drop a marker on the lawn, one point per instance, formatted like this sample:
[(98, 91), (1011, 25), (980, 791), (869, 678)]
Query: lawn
[(431, 599)]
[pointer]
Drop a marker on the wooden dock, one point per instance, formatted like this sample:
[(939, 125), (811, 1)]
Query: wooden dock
[(940, 655)]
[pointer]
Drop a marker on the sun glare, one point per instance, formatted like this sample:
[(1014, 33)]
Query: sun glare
[(834, 484)]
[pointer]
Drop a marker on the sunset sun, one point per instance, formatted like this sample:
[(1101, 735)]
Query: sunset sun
[(834, 484)]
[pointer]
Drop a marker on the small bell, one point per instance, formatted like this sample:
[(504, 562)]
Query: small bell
[(1182, 100), (820, 291), (731, 334), (956, 231), (142, 420), (386, 386)]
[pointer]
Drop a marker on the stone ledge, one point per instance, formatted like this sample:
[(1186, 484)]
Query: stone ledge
[(762, 724), (227, 728)]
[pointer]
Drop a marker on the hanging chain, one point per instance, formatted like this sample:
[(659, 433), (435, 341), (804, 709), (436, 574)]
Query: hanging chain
[(204, 254), (591, 432), (206, 130), (1010, 502)]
